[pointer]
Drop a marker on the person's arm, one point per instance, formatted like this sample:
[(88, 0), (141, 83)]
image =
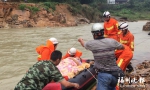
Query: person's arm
[(78, 53), (81, 41), (121, 47), (131, 44), (69, 84), (116, 25), (66, 55), (118, 45)]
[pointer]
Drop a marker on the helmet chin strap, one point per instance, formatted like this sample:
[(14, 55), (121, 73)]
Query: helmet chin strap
[(98, 37), (126, 31)]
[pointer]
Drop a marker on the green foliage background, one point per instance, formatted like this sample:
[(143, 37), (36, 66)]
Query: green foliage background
[(133, 10)]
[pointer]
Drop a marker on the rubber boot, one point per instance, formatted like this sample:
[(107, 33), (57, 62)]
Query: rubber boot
[(130, 68)]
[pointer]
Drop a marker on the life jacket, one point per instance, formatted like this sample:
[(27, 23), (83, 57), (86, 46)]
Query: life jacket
[(78, 54), (45, 51)]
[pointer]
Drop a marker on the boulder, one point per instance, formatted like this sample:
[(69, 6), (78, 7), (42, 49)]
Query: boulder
[(146, 27), (83, 21)]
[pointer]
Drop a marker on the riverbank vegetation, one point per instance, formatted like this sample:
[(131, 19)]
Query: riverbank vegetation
[(50, 13), (132, 10)]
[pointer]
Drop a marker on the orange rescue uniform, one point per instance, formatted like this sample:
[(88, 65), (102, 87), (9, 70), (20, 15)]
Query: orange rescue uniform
[(123, 59), (128, 40), (78, 54), (45, 51), (111, 29)]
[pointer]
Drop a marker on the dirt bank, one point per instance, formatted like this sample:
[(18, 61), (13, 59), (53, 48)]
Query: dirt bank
[(12, 17)]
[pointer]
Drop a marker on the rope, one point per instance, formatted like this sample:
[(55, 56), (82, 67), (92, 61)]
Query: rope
[(92, 75), (142, 41), (74, 43)]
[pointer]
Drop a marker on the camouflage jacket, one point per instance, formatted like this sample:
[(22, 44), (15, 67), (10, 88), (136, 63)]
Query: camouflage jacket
[(38, 76)]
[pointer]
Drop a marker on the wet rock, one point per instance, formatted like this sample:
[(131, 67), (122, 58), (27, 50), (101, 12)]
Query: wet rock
[(83, 21), (146, 27)]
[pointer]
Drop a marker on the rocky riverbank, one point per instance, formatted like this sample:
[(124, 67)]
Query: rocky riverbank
[(137, 80), (12, 17), (140, 78)]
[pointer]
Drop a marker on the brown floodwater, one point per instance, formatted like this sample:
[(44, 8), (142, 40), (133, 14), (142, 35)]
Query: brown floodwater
[(18, 53)]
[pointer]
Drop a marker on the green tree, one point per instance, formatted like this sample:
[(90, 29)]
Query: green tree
[(131, 2)]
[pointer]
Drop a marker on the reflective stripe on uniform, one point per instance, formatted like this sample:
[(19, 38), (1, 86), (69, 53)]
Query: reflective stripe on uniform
[(132, 45), (123, 42), (105, 35), (119, 32), (110, 28), (39, 56), (117, 24), (120, 62)]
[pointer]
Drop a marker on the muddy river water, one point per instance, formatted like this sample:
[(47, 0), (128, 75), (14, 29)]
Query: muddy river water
[(17, 47)]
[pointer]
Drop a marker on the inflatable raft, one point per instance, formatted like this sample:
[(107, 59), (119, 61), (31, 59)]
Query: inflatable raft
[(85, 79)]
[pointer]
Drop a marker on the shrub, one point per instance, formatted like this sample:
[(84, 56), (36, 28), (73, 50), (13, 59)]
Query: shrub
[(50, 4), (33, 9), (22, 6)]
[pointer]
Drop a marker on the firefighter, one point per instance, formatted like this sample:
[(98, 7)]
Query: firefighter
[(110, 26), (45, 51), (73, 52), (126, 38), (124, 57)]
